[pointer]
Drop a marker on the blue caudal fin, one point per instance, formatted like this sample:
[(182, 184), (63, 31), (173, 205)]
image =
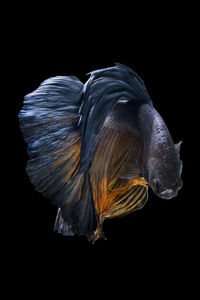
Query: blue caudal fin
[(49, 121), (61, 121)]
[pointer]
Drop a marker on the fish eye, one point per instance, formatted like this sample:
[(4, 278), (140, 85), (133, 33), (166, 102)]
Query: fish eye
[(156, 185)]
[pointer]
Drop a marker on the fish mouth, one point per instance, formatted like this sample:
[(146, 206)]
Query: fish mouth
[(167, 194)]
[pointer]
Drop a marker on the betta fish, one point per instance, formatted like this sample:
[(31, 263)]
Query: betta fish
[(96, 148)]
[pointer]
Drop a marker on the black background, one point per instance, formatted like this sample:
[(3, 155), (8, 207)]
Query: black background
[(159, 238)]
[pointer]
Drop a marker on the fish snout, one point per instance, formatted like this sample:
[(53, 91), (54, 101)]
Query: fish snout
[(168, 194)]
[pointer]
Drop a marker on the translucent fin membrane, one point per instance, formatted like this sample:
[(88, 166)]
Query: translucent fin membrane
[(116, 153)]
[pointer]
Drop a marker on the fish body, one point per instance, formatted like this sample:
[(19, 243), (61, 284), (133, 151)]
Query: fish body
[(161, 164), (96, 148)]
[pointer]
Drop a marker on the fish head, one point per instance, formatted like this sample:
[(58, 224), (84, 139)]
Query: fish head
[(165, 178)]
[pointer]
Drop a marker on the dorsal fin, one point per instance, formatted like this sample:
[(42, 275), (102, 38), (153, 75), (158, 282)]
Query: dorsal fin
[(101, 92)]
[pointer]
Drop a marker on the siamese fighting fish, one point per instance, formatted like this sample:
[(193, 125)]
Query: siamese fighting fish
[(96, 147)]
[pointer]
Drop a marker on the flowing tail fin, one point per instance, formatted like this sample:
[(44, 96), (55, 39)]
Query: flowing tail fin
[(49, 122), (76, 160)]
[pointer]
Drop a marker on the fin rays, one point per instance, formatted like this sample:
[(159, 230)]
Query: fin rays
[(112, 195)]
